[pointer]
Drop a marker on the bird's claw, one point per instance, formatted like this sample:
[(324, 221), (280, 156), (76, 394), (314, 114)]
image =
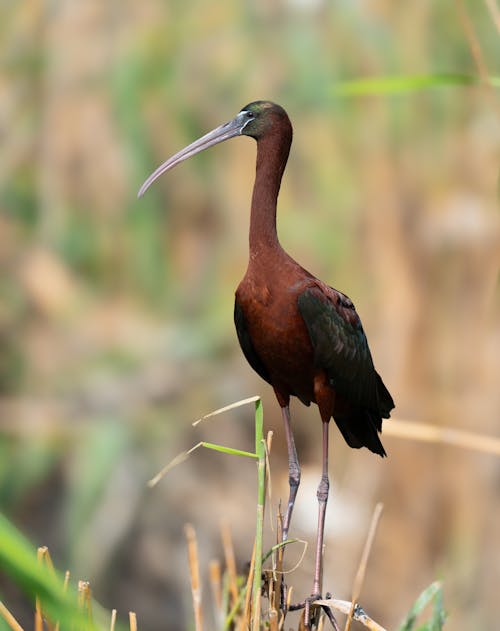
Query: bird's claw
[(307, 603)]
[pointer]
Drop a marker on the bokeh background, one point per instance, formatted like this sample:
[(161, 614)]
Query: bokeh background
[(116, 314)]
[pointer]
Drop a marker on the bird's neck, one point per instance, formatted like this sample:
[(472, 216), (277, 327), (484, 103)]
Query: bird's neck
[(272, 155)]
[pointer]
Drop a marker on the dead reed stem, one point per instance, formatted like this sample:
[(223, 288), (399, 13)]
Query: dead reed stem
[(476, 52), (215, 577), (344, 606), (227, 544), (9, 618), (360, 574), (85, 598), (494, 12), (194, 571), (429, 433), (248, 594), (40, 553), (473, 42), (132, 619)]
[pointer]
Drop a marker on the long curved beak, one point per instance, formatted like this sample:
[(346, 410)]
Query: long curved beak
[(219, 134)]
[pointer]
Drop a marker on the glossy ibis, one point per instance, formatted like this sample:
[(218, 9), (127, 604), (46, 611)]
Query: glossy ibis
[(300, 335)]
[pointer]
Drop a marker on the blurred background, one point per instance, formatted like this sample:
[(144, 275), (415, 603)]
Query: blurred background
[(116, 314)]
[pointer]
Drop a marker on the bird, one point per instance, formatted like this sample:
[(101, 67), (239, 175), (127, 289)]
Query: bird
[(301, 336)]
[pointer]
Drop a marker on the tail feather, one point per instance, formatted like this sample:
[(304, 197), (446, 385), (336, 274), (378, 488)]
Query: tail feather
[(385, 401), (360, 428)]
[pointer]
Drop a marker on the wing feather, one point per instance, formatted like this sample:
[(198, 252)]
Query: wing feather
[(341, 348)]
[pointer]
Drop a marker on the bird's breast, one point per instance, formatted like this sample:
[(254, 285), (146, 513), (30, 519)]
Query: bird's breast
[(278, 335)]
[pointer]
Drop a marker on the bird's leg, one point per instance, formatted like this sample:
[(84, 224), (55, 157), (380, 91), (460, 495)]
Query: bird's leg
[(293, 471), (322, 495), (293, 481)]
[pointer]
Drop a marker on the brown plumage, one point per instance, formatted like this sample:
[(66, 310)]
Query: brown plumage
[(300, 335)]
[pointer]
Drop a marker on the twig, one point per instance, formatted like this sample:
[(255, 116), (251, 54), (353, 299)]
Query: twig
[(194, 572), (112, 623), (132, 620), (360, 574)]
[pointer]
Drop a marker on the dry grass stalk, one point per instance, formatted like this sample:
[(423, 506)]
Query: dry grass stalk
[(494, 12), (132, 620), (46, 558), (215, 577), (344, 606), (173, 463), (360, 574), (9, 618), (273, 620), (289, 597), (226, 408), (85, 597), (194, 571), (227, 544), (43, 556), (112, 624), (278, 558), (40, 553), (268, 445), (435, 434), (473, 43), (248, 594)]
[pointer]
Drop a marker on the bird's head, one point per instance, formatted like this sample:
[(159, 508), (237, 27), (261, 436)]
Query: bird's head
[(261, 118), (257, 119)]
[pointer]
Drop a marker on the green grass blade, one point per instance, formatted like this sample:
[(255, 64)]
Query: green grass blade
[(430, 593), (405, 83), (277, 546), (260, 449), (229, 450), (438, 612), (19, 561)]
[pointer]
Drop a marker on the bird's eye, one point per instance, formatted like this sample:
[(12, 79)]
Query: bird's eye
[(249, 115)]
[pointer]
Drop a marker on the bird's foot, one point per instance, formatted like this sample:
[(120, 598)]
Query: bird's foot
[(308, 619), (311, 611), (329, 613)]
